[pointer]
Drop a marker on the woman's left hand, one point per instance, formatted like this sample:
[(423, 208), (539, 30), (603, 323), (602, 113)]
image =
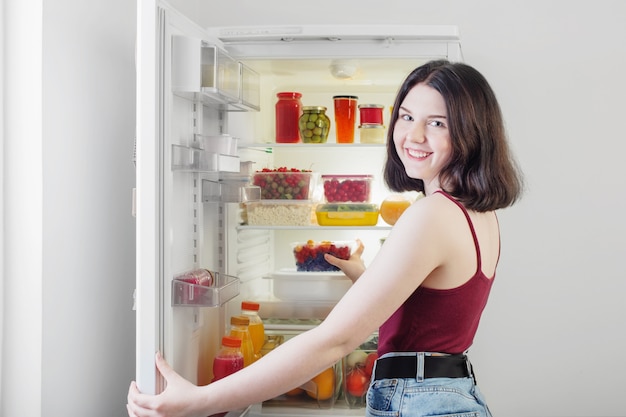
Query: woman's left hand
[(179, 399)]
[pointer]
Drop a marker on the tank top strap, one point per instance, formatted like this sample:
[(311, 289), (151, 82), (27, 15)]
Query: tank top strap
[(471, 226)]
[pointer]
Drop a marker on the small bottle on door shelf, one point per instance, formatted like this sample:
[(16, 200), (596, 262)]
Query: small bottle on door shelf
[(239, 329), (250, 309), (197, 277)]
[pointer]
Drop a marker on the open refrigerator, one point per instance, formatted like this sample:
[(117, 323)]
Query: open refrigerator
[(205, 123)]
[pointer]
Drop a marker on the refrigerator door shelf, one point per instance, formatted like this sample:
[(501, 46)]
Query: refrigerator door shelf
[(230, 191), (206, 73), (189, 159), (224, 288)]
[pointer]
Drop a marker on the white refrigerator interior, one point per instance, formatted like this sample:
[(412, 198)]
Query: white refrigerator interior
[(206, 120)]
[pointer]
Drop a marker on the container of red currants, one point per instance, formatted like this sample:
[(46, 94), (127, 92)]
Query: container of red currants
[(347, 188), (309, 256)]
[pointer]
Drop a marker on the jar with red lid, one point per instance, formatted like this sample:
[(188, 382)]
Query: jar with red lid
[(288, 111)]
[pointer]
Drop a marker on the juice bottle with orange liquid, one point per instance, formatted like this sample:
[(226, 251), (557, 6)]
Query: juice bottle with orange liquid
[(239, 329), (250, 309)]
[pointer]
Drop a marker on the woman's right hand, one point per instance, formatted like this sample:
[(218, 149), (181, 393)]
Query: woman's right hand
[(353, 267)]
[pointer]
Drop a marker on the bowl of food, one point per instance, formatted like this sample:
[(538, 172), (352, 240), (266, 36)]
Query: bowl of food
[(309, 256)]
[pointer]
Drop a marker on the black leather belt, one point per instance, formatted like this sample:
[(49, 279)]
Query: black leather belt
[(449, 366)]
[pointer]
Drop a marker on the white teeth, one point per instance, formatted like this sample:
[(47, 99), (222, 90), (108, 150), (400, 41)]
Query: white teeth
[(417, 154)]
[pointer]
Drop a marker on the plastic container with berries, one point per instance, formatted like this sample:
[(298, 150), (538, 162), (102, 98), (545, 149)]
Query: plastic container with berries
[(285, 183), (309, 255), (347, 188)]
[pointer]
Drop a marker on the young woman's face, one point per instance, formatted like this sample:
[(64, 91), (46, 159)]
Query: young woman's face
[(421, 135)]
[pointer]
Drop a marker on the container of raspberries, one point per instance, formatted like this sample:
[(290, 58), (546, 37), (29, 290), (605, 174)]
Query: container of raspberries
[(309, 256), (347, 188), (284, 183)]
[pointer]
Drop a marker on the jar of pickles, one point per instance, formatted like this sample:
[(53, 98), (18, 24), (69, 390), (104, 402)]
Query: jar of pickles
[(314, 124)]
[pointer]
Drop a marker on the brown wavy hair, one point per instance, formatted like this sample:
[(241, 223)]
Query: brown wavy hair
[(481, 172)]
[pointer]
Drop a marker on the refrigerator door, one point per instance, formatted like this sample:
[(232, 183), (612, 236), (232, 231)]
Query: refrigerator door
[(177, 230), (148, 279)]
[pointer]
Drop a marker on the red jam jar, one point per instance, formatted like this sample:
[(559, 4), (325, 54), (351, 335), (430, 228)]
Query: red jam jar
[(371, 114), (288, 111)]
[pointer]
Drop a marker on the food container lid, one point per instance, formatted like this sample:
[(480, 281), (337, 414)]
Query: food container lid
[(314, 108), (350, 97), (371, 106), (289, 94), (371, 126), (347, 207), (351, 176), (284, 201)]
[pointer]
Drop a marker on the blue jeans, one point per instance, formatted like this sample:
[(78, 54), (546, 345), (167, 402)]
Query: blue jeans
[(430, 397)]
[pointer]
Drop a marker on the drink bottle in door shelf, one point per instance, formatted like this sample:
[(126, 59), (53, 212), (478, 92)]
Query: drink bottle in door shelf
[(239, 329), (250, 309)]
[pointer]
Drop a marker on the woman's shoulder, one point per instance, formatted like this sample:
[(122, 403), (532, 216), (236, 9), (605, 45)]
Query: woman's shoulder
[(430, 212)]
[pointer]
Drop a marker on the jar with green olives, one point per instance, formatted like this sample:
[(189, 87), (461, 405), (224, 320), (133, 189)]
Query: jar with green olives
[(314, 124)]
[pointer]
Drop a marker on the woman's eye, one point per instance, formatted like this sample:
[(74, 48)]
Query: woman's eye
[(436, 123), (406, 117)]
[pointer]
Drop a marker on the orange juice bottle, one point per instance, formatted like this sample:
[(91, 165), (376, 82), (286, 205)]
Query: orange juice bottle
[(250, 309), (239, 329)]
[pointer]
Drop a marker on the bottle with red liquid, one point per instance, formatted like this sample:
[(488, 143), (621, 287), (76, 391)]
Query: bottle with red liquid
[(288, 111), (228, 361)]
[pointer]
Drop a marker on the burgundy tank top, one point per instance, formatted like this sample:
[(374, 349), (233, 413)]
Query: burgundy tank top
[(433, 320)]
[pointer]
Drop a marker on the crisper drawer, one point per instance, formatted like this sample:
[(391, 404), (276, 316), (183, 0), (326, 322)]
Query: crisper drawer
[(325, 395)]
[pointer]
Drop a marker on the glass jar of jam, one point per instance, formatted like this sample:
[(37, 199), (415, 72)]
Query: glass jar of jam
[(314, 124), (288, 111)]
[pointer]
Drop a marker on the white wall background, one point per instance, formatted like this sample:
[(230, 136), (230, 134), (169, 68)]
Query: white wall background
[(553, 334), (68, 242), (552, 338)]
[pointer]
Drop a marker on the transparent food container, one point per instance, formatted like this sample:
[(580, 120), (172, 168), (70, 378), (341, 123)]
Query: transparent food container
[(280, 213), (285, 184), (347, 214), (357, 368), (347, 188), (291, 285), (309, 256)]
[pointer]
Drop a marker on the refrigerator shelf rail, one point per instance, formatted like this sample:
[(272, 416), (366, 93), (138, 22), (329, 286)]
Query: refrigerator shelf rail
[(224, 288)]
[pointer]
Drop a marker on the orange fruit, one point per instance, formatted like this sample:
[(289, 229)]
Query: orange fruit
[(294, 392), (392, 208), (325, 385)]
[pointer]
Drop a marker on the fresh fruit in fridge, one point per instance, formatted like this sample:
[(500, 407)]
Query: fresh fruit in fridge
[(357, 382), (358, 357), (310, 256), (283, 183), (339, 189), (369, 363), (325, 385), (294, 392)]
